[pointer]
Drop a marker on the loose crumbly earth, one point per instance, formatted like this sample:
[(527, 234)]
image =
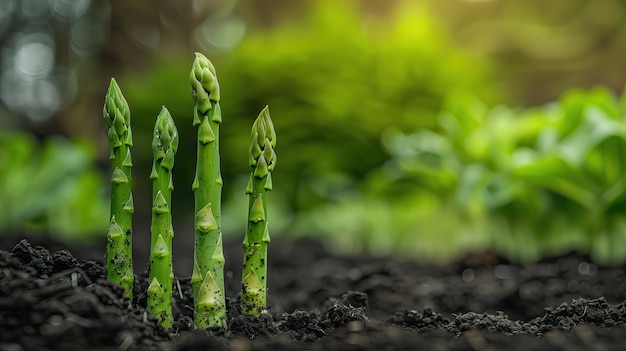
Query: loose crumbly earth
[(50, 300)]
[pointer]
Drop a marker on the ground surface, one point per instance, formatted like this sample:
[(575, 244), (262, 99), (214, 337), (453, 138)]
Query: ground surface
[(50, 300)]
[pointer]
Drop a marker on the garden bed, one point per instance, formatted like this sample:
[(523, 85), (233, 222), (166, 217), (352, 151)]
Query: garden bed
[(50, 300)]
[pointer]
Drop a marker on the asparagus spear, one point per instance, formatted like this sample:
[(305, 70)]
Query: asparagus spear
[(262, 160), (119, 237), (208, 273), (164, 147)]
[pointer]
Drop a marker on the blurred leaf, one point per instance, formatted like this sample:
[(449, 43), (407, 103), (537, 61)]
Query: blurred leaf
[(38, 183)]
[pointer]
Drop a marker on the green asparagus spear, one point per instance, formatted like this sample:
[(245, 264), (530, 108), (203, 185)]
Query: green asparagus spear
[(262, 160), (208, 273), (119, 249), (164, 147)]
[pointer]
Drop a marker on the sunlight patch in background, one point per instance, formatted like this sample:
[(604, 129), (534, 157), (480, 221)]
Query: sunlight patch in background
[(27, 84), (33, 83)]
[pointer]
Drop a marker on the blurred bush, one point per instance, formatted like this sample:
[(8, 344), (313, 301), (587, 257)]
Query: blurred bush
[(527, 182), (334, 83), (51, 186)]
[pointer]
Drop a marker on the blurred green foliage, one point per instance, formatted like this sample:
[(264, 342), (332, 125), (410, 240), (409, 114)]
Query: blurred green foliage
[(53, 186), (336, 83), (333, 83), (356, 89), (526, 182)]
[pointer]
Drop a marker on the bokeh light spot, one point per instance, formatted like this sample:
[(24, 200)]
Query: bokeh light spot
[(223, 33), (87, 36), (34, 59), (69, 9)]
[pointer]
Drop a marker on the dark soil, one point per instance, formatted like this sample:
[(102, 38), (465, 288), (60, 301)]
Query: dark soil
[(50, 300)]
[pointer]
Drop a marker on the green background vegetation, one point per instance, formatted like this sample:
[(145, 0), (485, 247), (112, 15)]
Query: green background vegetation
[(397, 125)]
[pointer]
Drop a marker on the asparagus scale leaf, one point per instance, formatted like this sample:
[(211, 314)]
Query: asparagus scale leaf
[(208, 274), (164, 147), (116, 114), (262, 159)]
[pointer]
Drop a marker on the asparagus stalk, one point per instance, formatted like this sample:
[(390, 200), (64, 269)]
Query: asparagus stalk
[(119, 237), (208, 273), (164, 147), (262, 159)]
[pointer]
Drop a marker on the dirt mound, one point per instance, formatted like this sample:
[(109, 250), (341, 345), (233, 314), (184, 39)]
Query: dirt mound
[(53, 301)]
